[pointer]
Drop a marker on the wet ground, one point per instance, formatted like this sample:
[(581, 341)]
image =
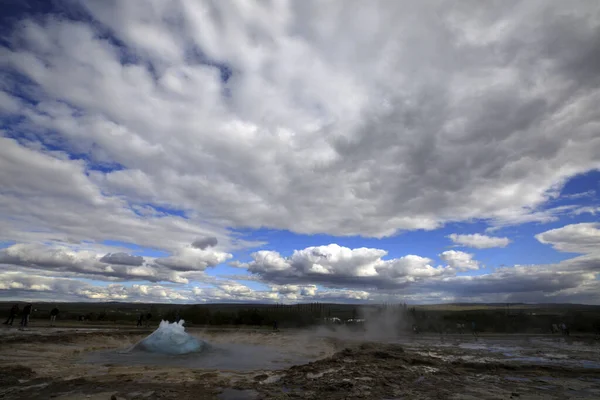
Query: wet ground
[(65, 364), (234, 356), (548, 350)]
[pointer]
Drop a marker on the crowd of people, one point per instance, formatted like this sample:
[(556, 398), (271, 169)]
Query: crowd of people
[(15, 311), (144, 320), (562, 328), (25, 314)]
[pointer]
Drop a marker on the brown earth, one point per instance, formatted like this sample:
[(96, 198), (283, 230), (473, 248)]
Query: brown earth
[(47, 365)]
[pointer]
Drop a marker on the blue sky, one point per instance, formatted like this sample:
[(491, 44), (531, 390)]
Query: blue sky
[(291, 152)]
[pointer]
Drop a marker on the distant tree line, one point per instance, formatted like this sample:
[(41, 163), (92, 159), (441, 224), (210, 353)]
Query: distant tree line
[(285, 316), (444, 321), (523, 320)]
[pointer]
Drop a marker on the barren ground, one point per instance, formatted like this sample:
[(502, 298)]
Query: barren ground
[(44, 363)]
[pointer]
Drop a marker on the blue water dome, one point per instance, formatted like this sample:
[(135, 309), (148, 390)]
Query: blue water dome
[(170, 338)]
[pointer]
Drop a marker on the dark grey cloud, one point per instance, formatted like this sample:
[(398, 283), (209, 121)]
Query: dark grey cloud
[(64, 261), (588, 262), (205, 242), (511, 280), (122, 259)]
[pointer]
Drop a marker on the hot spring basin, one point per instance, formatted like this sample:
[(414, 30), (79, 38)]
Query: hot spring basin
[(171, 346)]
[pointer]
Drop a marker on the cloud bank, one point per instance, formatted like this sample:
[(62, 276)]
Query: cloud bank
[(181, 127), (316, 123)]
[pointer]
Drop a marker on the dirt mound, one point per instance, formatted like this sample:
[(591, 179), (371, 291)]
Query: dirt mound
[(368, 370)]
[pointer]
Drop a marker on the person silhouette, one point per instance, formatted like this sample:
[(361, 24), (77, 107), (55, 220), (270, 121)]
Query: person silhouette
[(25, 315), (14, 311), (53, 315)]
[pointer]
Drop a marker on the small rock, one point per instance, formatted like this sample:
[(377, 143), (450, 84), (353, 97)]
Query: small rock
[(514, 394), (261, 377), (113, 397)]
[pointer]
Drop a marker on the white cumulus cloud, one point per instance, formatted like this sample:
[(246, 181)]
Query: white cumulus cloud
[(334, 266), (576, 238), (460, 260), (479, 241)]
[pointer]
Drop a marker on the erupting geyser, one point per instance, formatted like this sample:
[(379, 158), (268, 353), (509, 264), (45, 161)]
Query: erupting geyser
[(170, 338)]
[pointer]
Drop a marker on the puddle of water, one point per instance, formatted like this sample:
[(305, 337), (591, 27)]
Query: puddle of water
[(491, 348), (547, 361), (589, 364), (235, 394), (545, 379), (472, 346), (548, 351), (233, 357)]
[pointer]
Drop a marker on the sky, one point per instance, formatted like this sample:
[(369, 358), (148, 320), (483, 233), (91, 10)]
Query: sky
[(300, 151)]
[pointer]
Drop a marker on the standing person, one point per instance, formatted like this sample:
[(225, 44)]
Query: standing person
[(140, 320), (53, 315), (474, 328), (14, 311), (25, 315)]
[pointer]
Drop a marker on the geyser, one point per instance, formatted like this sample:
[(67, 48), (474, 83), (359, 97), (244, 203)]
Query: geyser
[(170, 338)]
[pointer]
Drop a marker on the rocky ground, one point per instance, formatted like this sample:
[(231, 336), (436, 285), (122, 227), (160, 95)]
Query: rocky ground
[(48, 365), (381, 371)]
